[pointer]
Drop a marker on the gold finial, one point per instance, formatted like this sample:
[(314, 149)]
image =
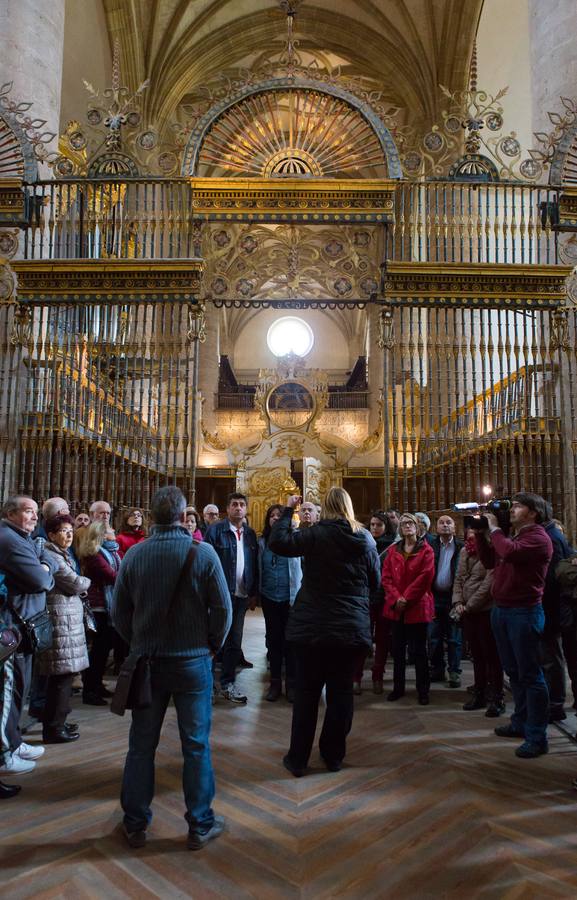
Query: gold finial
[(473, 69)]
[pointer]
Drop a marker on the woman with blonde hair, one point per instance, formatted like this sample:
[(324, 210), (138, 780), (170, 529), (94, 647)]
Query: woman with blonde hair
[(98, 553), (329, 623)]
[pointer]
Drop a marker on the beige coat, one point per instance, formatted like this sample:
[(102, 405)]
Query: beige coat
[(472, 585), (68, 652)]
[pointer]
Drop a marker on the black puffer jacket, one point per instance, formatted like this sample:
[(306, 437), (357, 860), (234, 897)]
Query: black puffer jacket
[(340, 569)]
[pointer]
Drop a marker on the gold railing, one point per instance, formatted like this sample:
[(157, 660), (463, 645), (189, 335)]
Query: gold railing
[(429, 222)]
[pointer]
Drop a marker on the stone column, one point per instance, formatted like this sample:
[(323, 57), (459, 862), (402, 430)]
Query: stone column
[(32, 42), (553, 57), (208, 366)]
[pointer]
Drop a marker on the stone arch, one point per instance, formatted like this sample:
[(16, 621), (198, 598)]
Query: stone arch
[(208, 120)]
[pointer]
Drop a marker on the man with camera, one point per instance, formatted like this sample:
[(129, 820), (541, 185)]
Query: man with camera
[(520, 567)]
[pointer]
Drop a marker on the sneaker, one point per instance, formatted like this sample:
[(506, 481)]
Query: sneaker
[(508, 731), (27, 751), (15, 765), (197, 840), (357, 688), (527, 750), (135, 839), (454, 680), (232, 694), (495, 708)]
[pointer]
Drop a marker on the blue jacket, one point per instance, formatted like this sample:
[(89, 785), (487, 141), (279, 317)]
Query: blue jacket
[(225, 543), (26, 578), (270, 581), (200, 615)]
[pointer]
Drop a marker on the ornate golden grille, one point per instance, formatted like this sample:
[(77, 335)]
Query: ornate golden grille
[(292, 132)]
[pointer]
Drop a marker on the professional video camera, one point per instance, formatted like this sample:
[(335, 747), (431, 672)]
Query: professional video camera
[(475, 519)]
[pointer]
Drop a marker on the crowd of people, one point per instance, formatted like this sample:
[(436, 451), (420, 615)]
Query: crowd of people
[(336, 596)]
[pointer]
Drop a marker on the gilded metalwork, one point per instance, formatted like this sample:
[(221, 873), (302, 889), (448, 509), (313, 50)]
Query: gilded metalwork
[(97, 281), (470, 142), (23, 141), (475, 285), (196, 322), (313, 201), (559, 331)]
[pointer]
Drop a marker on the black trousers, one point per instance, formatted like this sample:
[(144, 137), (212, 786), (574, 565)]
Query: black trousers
[(58, 694), (316, 666), (102, 643), (275, 617), (416, 635)]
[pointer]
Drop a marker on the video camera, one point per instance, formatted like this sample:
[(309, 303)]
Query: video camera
[(475, 519)]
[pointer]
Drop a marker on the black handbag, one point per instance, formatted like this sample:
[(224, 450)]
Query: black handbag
[(38, 632), (134, 686), (9, 642), (89, 617)]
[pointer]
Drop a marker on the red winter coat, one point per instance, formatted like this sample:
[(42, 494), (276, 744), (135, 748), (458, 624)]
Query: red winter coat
[(412, 579), (127, 539)]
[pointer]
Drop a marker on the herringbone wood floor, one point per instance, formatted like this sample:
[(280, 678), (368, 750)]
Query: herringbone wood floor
[(431, 804)]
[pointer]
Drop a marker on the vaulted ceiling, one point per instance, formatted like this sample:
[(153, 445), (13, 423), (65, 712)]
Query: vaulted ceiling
[(408, 46)]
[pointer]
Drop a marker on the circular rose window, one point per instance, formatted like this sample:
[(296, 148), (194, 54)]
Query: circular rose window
[(290, 335)]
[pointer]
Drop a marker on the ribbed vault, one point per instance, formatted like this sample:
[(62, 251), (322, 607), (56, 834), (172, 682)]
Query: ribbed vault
[(409, 46)]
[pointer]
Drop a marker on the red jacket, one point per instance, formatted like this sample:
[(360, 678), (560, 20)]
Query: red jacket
[(127, 539), (410, 578)]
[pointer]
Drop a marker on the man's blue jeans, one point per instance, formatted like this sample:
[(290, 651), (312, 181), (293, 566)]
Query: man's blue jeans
[(518, 633), (444, 628), (189, 681)]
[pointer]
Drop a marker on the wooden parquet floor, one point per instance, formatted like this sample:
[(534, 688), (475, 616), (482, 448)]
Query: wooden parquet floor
[(431, 804)]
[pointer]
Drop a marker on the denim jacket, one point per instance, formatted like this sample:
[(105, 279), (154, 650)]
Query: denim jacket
[(281, 581), (224, 542)]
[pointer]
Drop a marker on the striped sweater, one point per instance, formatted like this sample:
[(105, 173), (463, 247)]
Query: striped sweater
[(200, 615)]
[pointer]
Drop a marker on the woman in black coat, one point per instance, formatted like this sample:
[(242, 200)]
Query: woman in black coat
[(329, 622)]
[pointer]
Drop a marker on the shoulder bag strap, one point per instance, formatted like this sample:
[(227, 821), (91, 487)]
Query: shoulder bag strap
[(181, 578)]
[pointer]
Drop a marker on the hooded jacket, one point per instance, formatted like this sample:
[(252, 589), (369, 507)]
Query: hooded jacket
[(341, 567)]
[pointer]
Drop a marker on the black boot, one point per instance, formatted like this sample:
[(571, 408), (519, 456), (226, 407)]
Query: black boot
[(8, 790), (477, 701), (496, 707), (274, 691), (59, 736)]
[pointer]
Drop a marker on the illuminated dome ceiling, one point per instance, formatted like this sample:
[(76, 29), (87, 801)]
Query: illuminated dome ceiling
[(406, 46)]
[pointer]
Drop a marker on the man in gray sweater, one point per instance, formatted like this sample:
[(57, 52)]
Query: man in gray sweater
[(178, 612)]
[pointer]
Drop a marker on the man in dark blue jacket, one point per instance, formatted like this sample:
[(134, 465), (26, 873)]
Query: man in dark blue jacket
[(237, 549), (446, 548)]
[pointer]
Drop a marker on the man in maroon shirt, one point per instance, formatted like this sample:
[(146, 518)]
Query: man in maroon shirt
[(520, 565)]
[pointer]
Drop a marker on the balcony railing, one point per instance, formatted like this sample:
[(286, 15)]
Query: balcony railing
[(433, 221)]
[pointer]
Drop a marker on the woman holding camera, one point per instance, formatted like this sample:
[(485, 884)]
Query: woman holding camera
[(408, 573)]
